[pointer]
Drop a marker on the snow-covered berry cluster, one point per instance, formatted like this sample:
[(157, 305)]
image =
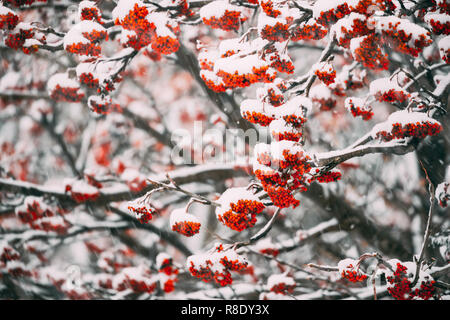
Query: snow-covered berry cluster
[(88, 10), (281, 284), (400, 282), (84, 38), (359, 108), (404, 124), (81, 190), (168, 273), (8, 18), (142, 211), (184, 223), (349, 269), (216, 265), (223, 15), (62, 88), (443, 194), (41, 216), (238, 208), (325, 72), (142, 28)]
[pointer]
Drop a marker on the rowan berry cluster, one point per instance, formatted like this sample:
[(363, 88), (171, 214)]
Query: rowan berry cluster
[(142, 211), (216, 265), (167, 271), (223, 15), (143, 28), (8, 19), (358, 108), (19, 3), (325, 72), (281, 284), (400, 282), (40, 216), (404, 124), (309, 30), (103, 105), (184, 223), (62, 88), (87, 10), (349, 269), (238, 208), (82, 191), (443, 194)]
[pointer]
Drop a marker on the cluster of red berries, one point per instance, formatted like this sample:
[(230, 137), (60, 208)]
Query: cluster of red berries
[(8, 19), (287, 162), (274, 97), (443, 194), (279, 32), (417, 130), (19, 3), (238, 209), (52, 224), (66, 94), (369, 53), (81, 191), (326, 177), (17, 269), (184, 223), (165, 45), (22, 38), (145, 32), (168, 272), (257, 118), (236, 80), (187, 228), (90, 12), (357, 28), (9, 262), (222, 15), (134, 179), (40, 216), (396, 34), (230, 20), (88, 79), (216, 265), (358, 110), (8, 253), (142, 212), (84, 38), (268, 8), (282, 197), (438, 26), (136, 21), (330, 16), (87, 49), (281, 284), (308, 31), (400, 285), (31, 210), (115, 259), (282, 63), (392, 95), (136, 279), (325, 73), (348, 270), (103, 105)]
